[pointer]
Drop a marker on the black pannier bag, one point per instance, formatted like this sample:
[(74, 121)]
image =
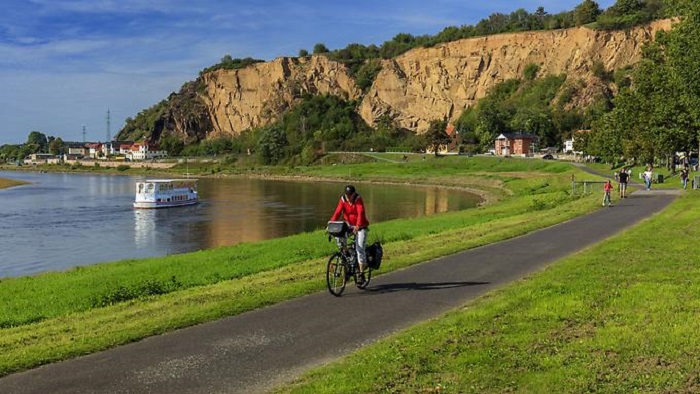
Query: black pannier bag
[(374, 255), (337, 228)]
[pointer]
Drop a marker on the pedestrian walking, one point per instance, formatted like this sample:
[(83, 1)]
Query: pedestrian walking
[(623, 177), (684, 177), (647, 177)]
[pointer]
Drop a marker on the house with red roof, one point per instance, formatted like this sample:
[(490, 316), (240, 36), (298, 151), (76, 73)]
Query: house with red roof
[(521, 144), (145, 151)]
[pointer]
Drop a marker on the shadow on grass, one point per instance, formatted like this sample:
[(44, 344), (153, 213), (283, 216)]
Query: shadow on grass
[(393, 287)]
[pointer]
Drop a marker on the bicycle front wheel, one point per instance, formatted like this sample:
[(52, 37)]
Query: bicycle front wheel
[(336, 274)]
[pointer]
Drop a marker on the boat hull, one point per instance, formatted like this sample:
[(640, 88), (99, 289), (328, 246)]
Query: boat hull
[(163, 204)]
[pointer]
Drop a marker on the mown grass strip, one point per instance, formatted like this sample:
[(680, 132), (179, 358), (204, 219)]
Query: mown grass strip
[(618, 317)]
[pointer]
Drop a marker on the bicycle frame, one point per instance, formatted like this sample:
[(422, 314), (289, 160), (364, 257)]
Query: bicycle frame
[(343, 265)]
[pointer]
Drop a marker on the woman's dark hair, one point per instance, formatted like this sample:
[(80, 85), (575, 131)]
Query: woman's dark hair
[(349, 189)]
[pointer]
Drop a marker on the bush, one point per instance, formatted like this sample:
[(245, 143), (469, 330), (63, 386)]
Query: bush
[(530, 71), (123, 167)]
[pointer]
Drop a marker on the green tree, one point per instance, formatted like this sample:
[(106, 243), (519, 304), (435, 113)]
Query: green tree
[(659, 114), (320, 48), (303, 53), (56, 146), (173, 145), (272, 145), (38, 140), (436, 136), (625, 7), (586, 12), (683, 44)]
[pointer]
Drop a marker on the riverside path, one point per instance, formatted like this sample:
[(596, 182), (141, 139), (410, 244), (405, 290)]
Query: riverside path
[(258, 350)]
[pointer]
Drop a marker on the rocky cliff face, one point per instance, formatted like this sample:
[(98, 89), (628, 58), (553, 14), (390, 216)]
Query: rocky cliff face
[(440, 82), (419, 86), (255, 96)]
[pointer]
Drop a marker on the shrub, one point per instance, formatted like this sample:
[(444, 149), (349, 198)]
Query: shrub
[(530, 71)]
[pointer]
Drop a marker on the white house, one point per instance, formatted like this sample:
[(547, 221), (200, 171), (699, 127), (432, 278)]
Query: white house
[(145, 151), (569, 145)]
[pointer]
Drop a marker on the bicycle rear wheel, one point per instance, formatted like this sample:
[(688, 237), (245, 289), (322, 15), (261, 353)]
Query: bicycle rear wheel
[(336, 274)]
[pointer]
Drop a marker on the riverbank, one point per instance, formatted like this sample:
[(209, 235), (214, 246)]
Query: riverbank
[(110, 304), (5, 183)]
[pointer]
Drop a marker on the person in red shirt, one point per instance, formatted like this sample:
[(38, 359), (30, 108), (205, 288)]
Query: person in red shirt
[(352, 207), (607, 189)]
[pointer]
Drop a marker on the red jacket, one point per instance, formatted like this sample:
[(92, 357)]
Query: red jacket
[(353, 211)]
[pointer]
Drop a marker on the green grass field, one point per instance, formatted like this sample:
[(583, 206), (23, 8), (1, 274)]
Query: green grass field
[(55, 316)]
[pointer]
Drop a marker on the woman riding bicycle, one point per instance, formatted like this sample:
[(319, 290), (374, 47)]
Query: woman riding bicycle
[(353, 209)]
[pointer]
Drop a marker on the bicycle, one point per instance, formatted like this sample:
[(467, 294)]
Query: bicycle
[(343, 265)]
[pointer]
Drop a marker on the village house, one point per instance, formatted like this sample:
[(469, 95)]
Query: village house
[(452, 146), (77, 150), (41, 158), (95, 150), (509, 144), (145, 151), (569, 143)]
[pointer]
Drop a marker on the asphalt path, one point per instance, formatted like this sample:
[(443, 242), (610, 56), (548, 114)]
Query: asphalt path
[(258, 350)]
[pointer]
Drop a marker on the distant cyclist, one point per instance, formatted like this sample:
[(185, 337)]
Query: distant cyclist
[(353, 210)]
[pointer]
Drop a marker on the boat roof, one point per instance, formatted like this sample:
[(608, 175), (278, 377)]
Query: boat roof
[(169, 180)]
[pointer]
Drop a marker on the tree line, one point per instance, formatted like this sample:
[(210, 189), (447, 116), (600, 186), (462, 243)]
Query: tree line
[(37, 142), (658, 114), (622, 14)]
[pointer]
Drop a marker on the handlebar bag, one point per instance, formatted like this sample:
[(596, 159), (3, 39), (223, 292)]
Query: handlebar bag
[(337, 228)]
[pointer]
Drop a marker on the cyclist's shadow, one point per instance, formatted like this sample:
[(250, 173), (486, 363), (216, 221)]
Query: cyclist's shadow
[(393, 287)]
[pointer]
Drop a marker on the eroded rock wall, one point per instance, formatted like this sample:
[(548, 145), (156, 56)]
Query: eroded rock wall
[(421, 85), (440, 82), (255, 96)]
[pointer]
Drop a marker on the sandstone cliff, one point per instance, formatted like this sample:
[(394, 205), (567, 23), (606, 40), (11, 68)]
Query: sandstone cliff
[(423, 84), (255, 96), (419, 86), (440, 82)]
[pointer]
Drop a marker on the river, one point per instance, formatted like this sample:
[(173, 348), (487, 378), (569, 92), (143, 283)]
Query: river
[(60, 221)]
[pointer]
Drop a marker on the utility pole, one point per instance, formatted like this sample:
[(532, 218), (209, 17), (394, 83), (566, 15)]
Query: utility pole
[(83, 133), (109, 135), (108, 142)]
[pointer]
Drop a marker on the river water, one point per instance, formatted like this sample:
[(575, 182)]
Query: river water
[(64, 220)]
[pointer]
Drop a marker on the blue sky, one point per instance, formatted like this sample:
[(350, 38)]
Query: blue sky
[(64, 63)]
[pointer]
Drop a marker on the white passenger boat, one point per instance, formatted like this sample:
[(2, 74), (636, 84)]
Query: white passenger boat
[(166, 193)]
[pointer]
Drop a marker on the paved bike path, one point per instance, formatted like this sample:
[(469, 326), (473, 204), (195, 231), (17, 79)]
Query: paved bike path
[(257, 350)]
